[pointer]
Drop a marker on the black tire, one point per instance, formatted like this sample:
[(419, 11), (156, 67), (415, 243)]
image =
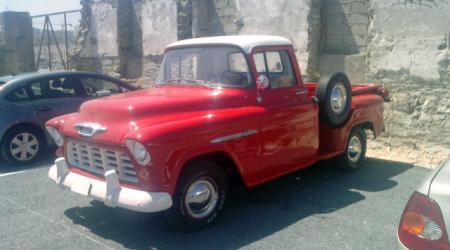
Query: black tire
[(8, 145), (180, 214), (324, 95), (350, 161)]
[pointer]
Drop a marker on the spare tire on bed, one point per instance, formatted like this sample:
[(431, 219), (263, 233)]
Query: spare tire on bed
[(334, 94)]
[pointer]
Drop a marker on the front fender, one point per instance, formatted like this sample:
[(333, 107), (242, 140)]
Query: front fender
[(174, 144)]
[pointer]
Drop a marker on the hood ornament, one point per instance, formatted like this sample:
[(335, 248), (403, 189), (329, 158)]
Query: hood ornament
[(89, 129)]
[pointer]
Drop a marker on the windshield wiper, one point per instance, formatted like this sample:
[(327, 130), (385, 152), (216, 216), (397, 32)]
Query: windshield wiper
[(181, 80)]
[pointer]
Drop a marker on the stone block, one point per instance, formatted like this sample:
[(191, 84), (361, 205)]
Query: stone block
[(358, 40), (335, 42), (339, 29), (159, 27), (337, 8), (16, 46), (358, 29), (354, 66), (357, 18), (335, 19), (359, 7)]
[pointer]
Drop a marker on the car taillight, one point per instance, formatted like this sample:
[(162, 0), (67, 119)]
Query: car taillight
[(422, 225)]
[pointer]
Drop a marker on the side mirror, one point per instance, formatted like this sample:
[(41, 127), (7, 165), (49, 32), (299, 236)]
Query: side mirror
[(262, 82)]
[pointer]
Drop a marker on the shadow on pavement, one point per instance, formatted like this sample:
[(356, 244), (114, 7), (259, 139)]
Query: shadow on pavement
[(251, 214), (48, 157)]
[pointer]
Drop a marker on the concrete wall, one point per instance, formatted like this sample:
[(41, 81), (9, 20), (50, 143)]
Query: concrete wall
[(402, 44), (409, 40), (159, 28), (96, 48), (125, 38), (16, 43), (298, 20), (344, 38), (408, 51), (289, 18)]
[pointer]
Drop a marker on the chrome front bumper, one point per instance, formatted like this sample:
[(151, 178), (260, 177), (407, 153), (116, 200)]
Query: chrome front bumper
[(109, 191)]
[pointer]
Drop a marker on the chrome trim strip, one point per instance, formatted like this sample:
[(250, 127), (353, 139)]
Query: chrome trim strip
[(234, 136), (89, 129), (302, 92)]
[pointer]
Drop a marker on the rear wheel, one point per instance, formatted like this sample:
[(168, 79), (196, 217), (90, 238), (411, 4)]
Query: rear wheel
[(355, 152), (200, 196), (335, 98), (22, 145)]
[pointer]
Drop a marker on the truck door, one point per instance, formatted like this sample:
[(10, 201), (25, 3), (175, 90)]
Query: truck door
[(289, 123)]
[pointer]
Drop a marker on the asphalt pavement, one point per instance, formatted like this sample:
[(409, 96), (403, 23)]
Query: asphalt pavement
[(316, 208)]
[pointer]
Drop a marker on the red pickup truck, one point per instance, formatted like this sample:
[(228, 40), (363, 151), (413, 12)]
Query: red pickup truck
[(223, 106)]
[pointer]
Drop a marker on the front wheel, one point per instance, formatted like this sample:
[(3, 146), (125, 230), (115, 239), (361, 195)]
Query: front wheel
[(199, 198), (22, 145), (355, 152)]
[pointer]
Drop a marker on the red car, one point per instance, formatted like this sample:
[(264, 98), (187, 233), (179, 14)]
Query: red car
[(223, 106)]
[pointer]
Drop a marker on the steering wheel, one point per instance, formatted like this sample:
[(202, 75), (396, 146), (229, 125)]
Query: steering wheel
[(232, 77)]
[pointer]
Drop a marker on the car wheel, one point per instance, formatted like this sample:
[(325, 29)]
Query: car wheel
[(334, 94), (22, 145), (199, 198), (355, 152)]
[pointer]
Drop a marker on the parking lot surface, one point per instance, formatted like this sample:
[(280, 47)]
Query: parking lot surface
[(316, 208)]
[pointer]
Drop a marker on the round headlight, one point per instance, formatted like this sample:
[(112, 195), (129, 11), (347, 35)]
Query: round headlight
[(56, 136), (139, 151)]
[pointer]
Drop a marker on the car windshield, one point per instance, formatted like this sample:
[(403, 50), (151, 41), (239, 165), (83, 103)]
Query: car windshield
[(208, 66)]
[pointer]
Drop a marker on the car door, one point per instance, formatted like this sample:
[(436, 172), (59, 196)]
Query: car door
[(53, 97), (289, 123)]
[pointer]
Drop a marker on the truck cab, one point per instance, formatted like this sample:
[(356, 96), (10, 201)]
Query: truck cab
[(222, 106)]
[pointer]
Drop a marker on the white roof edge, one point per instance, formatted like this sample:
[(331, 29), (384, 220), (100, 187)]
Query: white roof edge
[(246, 42)]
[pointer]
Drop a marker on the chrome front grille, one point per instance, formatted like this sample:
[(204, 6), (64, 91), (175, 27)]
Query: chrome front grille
[(98, 160)]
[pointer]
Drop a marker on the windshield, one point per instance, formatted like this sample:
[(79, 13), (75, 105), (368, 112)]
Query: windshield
[(211, 66)]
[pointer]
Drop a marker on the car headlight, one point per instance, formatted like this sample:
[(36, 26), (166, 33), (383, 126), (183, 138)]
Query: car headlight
[(139, 151), (56, 136)]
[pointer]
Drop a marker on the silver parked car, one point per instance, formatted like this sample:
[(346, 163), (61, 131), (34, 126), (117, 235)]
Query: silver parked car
[(425, 222), (27, 101)]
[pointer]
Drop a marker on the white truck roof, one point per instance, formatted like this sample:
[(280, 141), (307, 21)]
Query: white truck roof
[(246, 42)]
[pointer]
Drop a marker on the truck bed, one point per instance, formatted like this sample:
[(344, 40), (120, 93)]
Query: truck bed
[(366, 110), (357, 89)]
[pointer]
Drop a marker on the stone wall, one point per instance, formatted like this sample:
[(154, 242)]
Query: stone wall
[(159, 28), (16, 43), (96, 46), (402, 44), (294, 19), (125, 38), (408, 52), (344, 38)]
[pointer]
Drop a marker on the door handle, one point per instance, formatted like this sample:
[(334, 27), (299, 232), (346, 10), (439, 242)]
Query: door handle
[(44, 109)]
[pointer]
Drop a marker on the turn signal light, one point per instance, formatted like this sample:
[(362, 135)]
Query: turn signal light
[(422, 225)]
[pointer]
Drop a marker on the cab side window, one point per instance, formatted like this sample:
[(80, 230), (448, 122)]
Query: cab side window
[(277, 66)]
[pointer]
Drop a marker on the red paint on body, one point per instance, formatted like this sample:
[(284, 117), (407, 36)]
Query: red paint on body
[(179, 123)]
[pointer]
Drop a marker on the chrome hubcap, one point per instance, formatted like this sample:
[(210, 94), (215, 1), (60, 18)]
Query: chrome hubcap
[(201, 198), (354, 149), (24, 146), (338, 98)]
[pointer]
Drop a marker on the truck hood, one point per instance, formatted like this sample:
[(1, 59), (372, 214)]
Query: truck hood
[(123, 113)]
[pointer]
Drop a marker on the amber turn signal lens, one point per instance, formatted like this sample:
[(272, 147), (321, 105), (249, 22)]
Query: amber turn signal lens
[(414, 223)]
